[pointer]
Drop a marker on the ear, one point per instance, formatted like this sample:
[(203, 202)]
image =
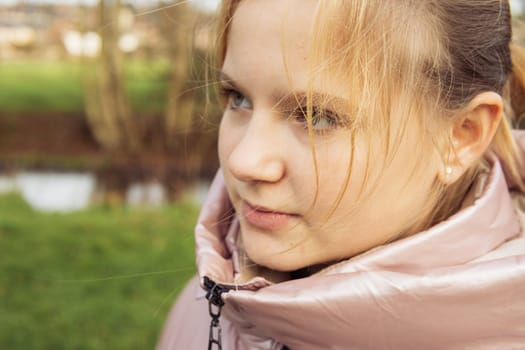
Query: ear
[(471, 134)]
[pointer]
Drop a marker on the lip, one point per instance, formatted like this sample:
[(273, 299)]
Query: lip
[(265, 218)]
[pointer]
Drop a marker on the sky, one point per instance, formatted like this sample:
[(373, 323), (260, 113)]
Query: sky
[(517, 6)]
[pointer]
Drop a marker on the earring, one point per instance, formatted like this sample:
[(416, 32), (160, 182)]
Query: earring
[(448, 170)]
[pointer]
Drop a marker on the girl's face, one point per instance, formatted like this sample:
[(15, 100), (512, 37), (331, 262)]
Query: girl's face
[(266, 153)]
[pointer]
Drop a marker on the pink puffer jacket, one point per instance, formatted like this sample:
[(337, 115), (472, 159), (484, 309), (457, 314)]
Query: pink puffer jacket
[(458, 285)]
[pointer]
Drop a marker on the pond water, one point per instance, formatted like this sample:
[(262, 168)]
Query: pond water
[(66, 192), (56, 191)]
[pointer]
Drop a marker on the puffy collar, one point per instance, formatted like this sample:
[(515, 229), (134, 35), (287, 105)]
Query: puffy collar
[(418, 292)]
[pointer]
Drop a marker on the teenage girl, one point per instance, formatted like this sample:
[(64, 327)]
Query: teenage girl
[(370, 194)]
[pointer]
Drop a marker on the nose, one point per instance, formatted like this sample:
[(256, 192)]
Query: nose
[(259, 154)]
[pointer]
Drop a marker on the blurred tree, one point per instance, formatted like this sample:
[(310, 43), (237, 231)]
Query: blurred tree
[(177, 27), (107, 108)]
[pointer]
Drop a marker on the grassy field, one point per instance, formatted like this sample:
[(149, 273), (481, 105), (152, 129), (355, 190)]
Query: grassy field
[(98, 279), (32, 86)]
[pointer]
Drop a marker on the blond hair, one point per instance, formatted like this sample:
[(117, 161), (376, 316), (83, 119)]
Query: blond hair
[(421, 61)]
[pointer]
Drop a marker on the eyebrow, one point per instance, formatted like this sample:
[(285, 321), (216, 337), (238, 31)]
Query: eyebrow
[(291, 100), (338, 104), (224, 79)]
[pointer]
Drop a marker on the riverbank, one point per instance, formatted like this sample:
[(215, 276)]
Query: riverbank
[(61, 142)]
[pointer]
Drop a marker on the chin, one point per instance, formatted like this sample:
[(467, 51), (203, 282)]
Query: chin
[(277, 260), (274, 251)]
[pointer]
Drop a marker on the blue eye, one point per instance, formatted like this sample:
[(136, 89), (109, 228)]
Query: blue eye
[(322, 120), (233, 99), (237, 100)]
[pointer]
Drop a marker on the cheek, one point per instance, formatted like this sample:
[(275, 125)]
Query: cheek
[(335, 185), (352, 180)]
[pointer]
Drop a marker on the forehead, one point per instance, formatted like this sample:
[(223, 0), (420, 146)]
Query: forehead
[(272, 35), (275, 16)]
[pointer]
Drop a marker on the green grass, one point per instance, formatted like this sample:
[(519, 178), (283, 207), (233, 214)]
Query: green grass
[(98, 279), (56, 86), (35, 85), (147, 85)]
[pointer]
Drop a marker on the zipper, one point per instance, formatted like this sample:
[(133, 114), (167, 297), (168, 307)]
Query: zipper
[(214, 293), (215, 304)]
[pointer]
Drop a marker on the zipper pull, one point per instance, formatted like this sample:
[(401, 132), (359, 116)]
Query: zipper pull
[(215, 304)]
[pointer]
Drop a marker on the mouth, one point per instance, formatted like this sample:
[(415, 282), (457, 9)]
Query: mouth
[(265, 218)]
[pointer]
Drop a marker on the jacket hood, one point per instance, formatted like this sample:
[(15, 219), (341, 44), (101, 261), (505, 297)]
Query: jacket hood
[(458, 285)]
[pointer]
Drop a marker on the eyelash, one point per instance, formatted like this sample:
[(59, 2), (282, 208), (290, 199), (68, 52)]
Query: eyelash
[(299, 115), (318, 116), (227, 94)]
